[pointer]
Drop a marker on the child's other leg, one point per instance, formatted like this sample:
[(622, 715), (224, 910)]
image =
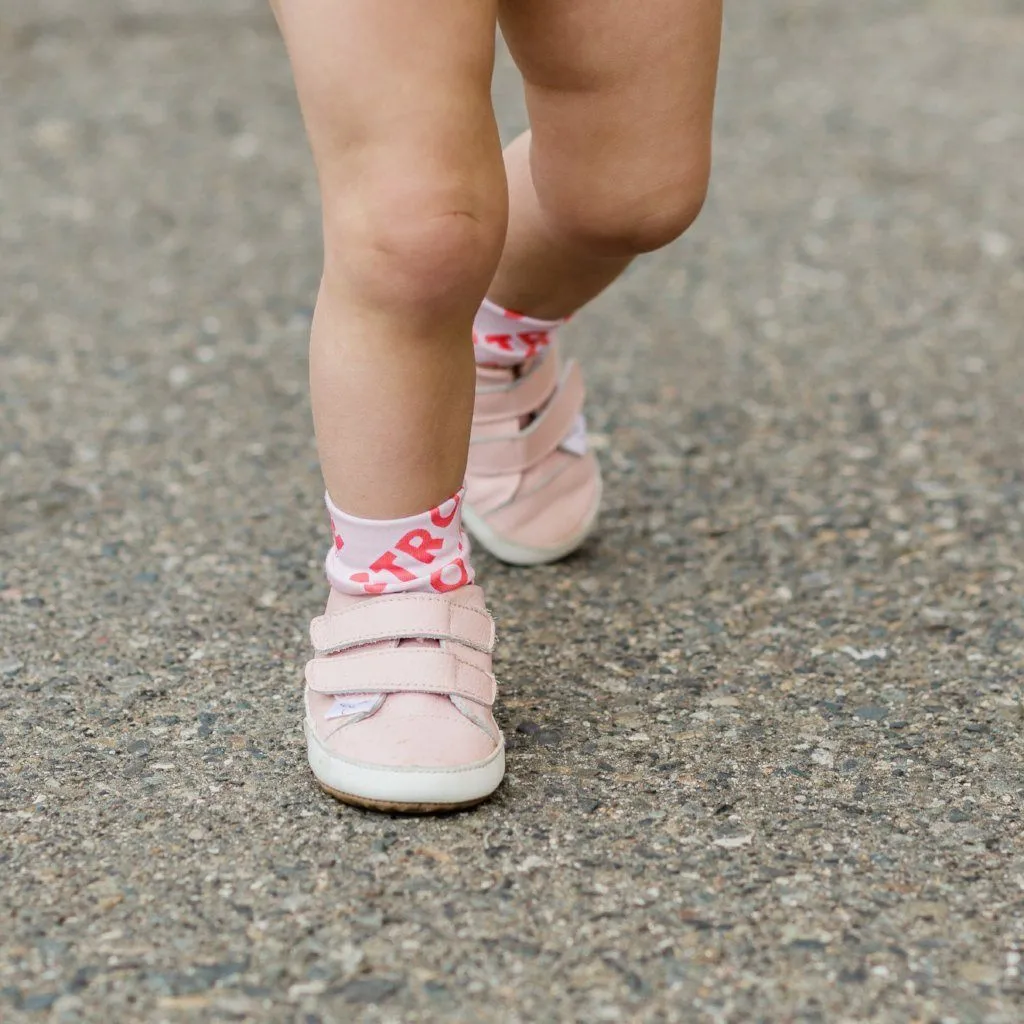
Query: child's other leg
[(396, 99), (620, 98)]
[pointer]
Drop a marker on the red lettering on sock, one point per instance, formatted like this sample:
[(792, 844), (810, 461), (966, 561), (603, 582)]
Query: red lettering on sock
[(534, 341), (338, 542), (388, 563), (362, 579), (502, 341), (437, 579), (432, 557), (421, 544), (439, 519)]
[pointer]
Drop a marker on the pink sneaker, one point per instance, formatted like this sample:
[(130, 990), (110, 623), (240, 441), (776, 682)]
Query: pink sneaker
[(532, 489), (398, 701)]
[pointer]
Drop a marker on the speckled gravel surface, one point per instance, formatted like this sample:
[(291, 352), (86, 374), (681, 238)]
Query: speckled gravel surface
[(765, 732)]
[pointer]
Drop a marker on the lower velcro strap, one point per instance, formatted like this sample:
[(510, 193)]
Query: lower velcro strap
[(411, 669)]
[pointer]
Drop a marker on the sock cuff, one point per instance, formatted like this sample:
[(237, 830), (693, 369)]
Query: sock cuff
[(527, 322), (446, 506), (426, 552), (502, 337)]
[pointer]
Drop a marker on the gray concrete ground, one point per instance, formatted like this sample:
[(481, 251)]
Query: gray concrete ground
[(765, 732)]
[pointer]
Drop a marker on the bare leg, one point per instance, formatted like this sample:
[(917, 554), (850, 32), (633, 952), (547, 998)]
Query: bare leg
[(544, 272), (620, 98), (396, 101)]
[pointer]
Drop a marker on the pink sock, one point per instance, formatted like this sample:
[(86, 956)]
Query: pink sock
[(425, 553), (504, 338)]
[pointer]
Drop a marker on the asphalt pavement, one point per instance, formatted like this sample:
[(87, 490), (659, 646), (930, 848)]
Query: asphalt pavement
[(765, 731)]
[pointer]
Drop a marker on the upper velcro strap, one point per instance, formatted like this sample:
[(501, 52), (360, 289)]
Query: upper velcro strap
[(403, 617), (516, 453), (521, 396), (401, 670)]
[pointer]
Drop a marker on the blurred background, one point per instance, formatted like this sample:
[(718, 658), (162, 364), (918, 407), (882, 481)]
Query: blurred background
[(765, 732)]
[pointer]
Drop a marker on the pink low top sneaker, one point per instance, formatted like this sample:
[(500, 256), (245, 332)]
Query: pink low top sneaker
[(398, 701), (533, 490)]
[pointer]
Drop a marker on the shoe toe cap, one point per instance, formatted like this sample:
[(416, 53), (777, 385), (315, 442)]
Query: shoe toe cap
[(557, 510), (411, 731)]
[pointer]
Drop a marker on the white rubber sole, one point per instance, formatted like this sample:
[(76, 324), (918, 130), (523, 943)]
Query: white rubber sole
[(408, 790), (522, 554)]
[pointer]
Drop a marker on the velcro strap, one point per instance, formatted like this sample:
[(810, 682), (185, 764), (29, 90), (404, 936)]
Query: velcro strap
[(520, 397), (401, 670), (403, 617), (516, 453)]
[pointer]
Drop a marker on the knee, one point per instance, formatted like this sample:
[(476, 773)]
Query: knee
[(428, 249), (627, 214)]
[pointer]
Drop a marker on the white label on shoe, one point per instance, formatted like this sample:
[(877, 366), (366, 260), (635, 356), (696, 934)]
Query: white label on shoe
[(345, 706), (575, 442)]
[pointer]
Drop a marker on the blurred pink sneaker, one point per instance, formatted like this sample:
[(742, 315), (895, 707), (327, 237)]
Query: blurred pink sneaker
[(398, 701), (533, 490)]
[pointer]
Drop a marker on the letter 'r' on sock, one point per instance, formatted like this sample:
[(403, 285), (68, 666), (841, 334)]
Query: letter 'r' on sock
[(425, 553)]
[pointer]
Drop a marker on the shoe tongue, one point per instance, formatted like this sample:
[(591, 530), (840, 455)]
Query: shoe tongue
[(503, 375), (360, 703), (496, 374)]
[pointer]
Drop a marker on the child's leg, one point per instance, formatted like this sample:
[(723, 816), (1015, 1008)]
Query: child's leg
[(396, 100), (620, 98)]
